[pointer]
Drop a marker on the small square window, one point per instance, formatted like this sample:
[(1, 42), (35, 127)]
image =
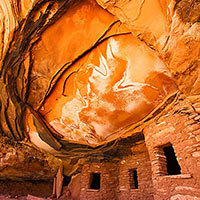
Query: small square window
[(133, 178), (95, 180)]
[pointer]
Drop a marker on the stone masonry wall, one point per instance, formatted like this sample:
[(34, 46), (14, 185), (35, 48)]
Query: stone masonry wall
[(109, 181), (181, 128), (140, 161), (115, 177)]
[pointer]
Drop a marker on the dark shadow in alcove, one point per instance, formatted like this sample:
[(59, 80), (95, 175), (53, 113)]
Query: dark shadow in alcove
[(66, 180)]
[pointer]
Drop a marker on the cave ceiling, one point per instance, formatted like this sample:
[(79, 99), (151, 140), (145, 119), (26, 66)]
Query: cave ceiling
[(76, 76)]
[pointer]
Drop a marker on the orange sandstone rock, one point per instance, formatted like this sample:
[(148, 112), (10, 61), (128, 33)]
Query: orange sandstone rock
[(114, 86)]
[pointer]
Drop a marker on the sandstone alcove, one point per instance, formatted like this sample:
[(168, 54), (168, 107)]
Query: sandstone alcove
[(100, 94)]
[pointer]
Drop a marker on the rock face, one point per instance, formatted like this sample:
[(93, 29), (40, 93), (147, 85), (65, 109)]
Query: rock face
[(25, 162), (79, 77), (171, 28), (107, 91), (89, 91)]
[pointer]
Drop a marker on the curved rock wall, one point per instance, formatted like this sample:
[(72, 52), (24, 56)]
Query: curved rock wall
[(57, 54)]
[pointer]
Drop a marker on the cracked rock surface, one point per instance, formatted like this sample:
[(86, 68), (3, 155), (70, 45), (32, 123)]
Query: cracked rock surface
[(77, 76)]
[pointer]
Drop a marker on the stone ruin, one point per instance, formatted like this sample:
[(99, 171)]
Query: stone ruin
[(100, 99)]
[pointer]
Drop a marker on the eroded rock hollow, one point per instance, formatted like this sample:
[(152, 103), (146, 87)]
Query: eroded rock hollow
[(86, 80)]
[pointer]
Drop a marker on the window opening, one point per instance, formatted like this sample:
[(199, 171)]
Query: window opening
[(173, 166), (133, 178), (95, 179)]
